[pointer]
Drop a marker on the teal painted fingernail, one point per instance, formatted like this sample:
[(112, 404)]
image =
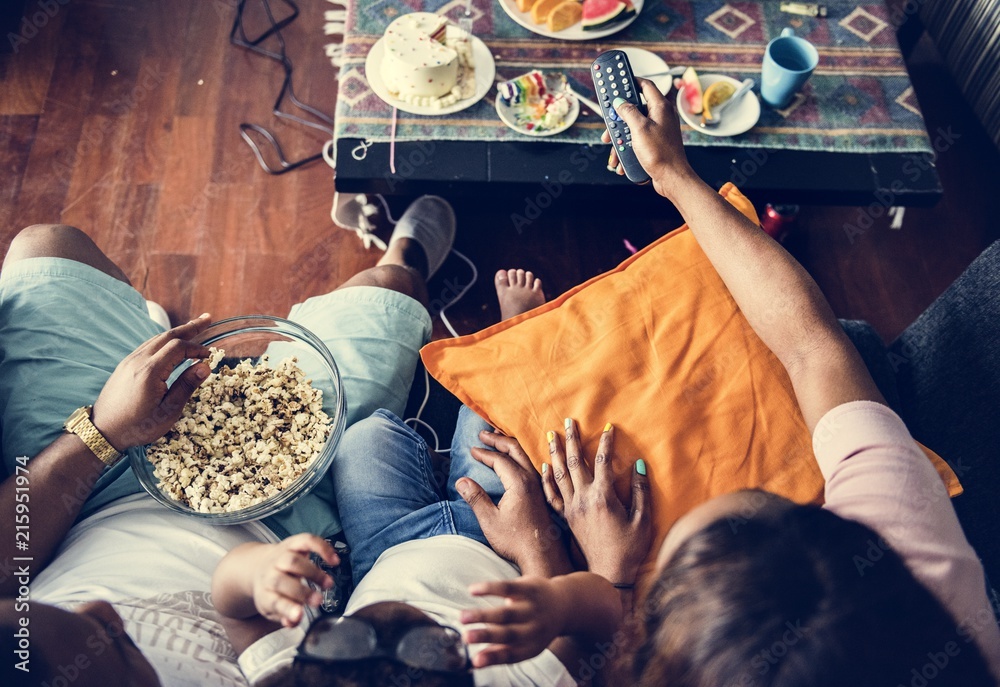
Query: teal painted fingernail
[(616, 102), (545, 468), (640, 467), (568, 423)]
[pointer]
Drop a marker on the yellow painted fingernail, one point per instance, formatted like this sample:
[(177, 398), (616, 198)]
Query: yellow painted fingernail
[(568, 423), (607, 427), (550, 436)]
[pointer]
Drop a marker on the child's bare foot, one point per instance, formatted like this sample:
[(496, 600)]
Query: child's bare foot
[(518, 291)]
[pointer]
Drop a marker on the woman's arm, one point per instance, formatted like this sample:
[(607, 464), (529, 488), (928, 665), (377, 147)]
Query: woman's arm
[(779, 299), (134, 408)]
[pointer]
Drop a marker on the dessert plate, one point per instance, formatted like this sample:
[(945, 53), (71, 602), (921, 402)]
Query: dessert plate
[(738, 119), (646, 62), (573, 33), (486, 70), (508, 117)]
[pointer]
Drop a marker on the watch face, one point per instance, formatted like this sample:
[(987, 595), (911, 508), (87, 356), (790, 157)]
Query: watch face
[(78, 415)]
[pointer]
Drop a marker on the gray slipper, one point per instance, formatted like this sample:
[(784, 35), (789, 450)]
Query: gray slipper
[(430, 221)]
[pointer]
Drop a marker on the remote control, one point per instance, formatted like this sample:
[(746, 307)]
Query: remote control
[(613, 79)]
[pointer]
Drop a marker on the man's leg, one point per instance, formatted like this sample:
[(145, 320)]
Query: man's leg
[(377, 321), (403, 269), (68, 316), (374, 325), (61, 241)]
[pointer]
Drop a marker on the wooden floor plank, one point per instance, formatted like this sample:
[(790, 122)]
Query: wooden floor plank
[(17, 134), (27, 70)]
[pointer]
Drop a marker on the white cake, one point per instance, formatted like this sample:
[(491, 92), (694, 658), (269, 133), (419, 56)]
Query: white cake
[(421, 64)]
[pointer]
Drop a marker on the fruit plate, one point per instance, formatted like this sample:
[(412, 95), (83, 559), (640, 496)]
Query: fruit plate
[(738, 119), (573, 33), (509, 117), (486, 71)]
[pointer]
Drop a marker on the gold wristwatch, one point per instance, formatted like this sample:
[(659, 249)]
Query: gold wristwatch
[(79, 424)]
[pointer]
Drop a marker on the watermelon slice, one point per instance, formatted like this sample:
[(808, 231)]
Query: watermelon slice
[(602, 14), (690, 89)]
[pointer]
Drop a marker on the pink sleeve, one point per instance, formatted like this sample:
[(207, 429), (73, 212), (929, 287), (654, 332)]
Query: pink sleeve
[(877, 475)]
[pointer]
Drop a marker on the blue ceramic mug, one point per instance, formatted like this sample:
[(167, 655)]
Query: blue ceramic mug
[(789, 61)]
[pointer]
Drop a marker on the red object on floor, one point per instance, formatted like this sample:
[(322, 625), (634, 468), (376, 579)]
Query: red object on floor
[(777, 220)]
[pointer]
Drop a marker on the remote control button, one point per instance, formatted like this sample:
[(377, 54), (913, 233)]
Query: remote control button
[(620, 141), (629, 144), (628, 94), (610, 70), (597, 67), (625, 81), (621, 147), (600, 82), (614, 92), (622, 72), (614, 125), (604, 90), (620, 65)]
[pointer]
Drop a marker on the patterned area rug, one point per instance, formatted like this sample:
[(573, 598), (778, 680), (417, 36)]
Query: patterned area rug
[(859, 99)]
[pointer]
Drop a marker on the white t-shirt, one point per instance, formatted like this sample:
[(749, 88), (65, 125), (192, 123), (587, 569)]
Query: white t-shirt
[(877, 475), (432, 575), (155, 567)]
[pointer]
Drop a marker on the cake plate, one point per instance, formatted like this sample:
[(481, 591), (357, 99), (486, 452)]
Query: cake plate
[(486, 71)]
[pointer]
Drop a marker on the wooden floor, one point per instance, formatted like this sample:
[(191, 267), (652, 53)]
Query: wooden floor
[(121, 117)]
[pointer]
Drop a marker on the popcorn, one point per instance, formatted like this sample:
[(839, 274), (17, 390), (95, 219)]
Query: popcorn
[(246, 434)]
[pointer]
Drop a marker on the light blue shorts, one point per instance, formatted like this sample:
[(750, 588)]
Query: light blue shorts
[(65, 326)]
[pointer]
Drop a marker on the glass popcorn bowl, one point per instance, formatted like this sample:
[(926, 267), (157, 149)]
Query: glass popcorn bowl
[(251, 337)]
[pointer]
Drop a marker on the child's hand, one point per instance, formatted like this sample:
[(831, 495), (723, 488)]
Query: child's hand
[(279, 590), (531, 617)]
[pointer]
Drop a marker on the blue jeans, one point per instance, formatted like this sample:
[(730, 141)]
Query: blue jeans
[(388, 492)]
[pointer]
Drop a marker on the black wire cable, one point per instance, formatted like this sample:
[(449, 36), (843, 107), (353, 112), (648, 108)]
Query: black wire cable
[(239, 38)]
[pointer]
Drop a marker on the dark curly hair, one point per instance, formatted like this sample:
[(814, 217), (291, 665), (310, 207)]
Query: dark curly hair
[(795, 600)]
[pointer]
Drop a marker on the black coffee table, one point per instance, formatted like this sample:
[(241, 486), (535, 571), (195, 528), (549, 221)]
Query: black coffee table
[(537, 172)]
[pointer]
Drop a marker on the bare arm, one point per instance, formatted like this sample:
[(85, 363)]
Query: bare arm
[(258, 588), (134, 408), (571, 615), (779, 299)]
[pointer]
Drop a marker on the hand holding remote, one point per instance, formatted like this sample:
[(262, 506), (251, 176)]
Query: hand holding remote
[(656, 139)]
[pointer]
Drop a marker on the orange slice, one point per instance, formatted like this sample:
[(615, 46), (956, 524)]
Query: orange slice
[(565, 15), (541, 9), (525, 5), (715, 95)]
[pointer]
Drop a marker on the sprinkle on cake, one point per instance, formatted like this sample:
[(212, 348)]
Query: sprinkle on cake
[(423, 65)]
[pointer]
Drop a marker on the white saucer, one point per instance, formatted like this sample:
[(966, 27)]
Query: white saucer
[(738, 118), (646, 62), (573, 33), (486, 70), (507, 117)]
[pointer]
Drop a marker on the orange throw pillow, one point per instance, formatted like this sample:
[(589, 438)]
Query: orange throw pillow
[(659, 348)]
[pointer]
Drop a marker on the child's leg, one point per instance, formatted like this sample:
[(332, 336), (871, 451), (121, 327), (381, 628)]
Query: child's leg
[(464, 465), (385, 489)]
